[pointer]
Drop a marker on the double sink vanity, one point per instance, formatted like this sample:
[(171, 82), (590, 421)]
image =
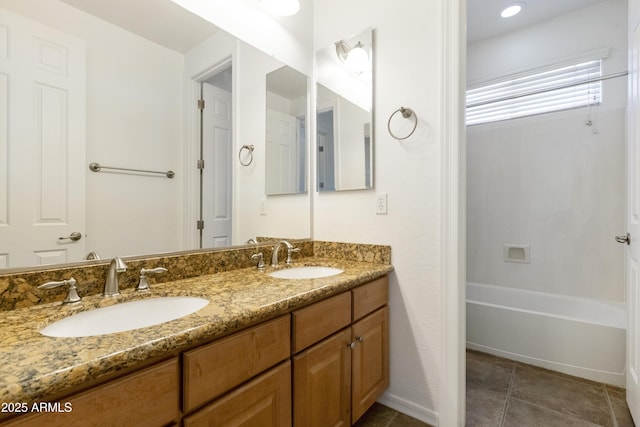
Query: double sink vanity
[(304, 344)]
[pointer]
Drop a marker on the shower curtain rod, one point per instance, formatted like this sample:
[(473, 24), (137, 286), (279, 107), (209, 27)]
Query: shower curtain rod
[(549, 89)]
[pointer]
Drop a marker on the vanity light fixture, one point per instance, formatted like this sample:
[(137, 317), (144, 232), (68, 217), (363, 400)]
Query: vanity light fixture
[(281, 7), (512, 9), (356, 57)]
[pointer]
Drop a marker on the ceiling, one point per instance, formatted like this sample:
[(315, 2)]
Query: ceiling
[(169, 25), (484, 21), (161, 21)]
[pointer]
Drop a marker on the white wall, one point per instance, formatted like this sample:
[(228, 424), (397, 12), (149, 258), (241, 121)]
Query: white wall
[(549, 181), (407, 48), (134, 119)]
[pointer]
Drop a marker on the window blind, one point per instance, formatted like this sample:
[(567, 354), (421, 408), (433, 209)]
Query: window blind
[(553, 90)]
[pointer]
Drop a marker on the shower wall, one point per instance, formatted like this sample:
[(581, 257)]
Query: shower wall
[(551, 182)]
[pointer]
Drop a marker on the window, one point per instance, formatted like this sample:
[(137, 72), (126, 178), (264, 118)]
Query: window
[(553, 90)]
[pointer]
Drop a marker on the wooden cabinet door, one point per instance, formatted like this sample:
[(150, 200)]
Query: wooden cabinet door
[(370, 361), (322, 383), (263, 402), (148, 397)]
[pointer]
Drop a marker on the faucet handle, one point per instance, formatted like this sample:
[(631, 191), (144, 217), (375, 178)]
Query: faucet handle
[(72, 295), (291, 250), (260, 259), (143, 285)]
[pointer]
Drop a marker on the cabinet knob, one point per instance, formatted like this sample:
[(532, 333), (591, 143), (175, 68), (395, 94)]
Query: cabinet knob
[(351, 345), (360, 338)]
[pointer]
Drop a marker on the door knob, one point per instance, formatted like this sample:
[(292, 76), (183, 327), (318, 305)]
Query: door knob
[(74, 237), (624, 239)]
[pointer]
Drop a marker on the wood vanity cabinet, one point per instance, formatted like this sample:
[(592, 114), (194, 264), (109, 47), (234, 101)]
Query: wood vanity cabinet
[(148, 397), (322, 365), (369, 361), (215, 368), (264, 402), (338, 378)]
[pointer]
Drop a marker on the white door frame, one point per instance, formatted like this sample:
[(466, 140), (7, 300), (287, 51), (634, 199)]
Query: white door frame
[(192, 147), (451, 411)]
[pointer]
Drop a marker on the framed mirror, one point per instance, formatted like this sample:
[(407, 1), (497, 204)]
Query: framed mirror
[(285, 133), (131, 114), (344, 114)]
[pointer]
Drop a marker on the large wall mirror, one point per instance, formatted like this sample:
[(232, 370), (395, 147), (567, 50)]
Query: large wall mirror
[(344, 114), (110, 88)]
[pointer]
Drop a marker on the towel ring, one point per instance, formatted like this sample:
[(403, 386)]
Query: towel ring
[(406, 113), (246, 147)]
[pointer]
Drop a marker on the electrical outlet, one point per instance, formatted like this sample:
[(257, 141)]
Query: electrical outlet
[(263, 206), (381, 204)]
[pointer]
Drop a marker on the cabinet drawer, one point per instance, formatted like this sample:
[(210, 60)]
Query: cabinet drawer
[(264, 402), (369, 297), (216, 368), (313, 323), (149, 397)]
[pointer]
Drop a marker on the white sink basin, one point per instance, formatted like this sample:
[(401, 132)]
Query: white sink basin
[(310, 272), (125, 316)]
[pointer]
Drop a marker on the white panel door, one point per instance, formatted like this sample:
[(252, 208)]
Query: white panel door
[(217, 174), (282, 153), (633, 215), (42, 143)]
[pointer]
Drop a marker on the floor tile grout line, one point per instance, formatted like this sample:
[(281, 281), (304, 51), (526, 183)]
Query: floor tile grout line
[(560, 413), (391, 420), (612, 414), (508, 396)]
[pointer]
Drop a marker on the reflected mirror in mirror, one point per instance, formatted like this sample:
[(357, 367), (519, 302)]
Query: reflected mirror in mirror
[(344, 114), (286, 132), (111, 89)]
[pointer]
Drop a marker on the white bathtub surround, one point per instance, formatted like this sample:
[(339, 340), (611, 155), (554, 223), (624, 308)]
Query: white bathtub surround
[(577, 336)]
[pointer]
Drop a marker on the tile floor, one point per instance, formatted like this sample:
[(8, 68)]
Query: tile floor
[(504, 393), (381, 416)]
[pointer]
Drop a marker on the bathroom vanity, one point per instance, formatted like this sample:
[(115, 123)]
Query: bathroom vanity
[(266, 350)]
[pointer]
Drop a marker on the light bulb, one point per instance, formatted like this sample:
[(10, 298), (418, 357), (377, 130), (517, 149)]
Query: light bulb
[(510, 11), (358, 59)]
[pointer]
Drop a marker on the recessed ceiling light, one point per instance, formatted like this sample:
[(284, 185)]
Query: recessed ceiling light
[(511, 10)]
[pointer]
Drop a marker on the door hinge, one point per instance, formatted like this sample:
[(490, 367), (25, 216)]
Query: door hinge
[(200, 104), (200, 225), (200, 164)]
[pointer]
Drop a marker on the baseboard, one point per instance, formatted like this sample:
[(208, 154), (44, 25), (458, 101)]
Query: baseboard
[(409, 408)]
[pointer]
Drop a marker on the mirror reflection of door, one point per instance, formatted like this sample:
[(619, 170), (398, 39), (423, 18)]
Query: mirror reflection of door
[(285, 132), (325, 142), (42, 137), (282, 146), (217, 153)]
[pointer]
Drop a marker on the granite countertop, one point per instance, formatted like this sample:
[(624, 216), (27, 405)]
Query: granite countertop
[(33, 366)]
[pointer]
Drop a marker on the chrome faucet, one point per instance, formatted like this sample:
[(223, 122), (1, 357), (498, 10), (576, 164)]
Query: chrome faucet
[(276, 249), (111, 287)]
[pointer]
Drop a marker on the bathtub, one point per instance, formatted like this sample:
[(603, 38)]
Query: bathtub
[(577, 336)]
